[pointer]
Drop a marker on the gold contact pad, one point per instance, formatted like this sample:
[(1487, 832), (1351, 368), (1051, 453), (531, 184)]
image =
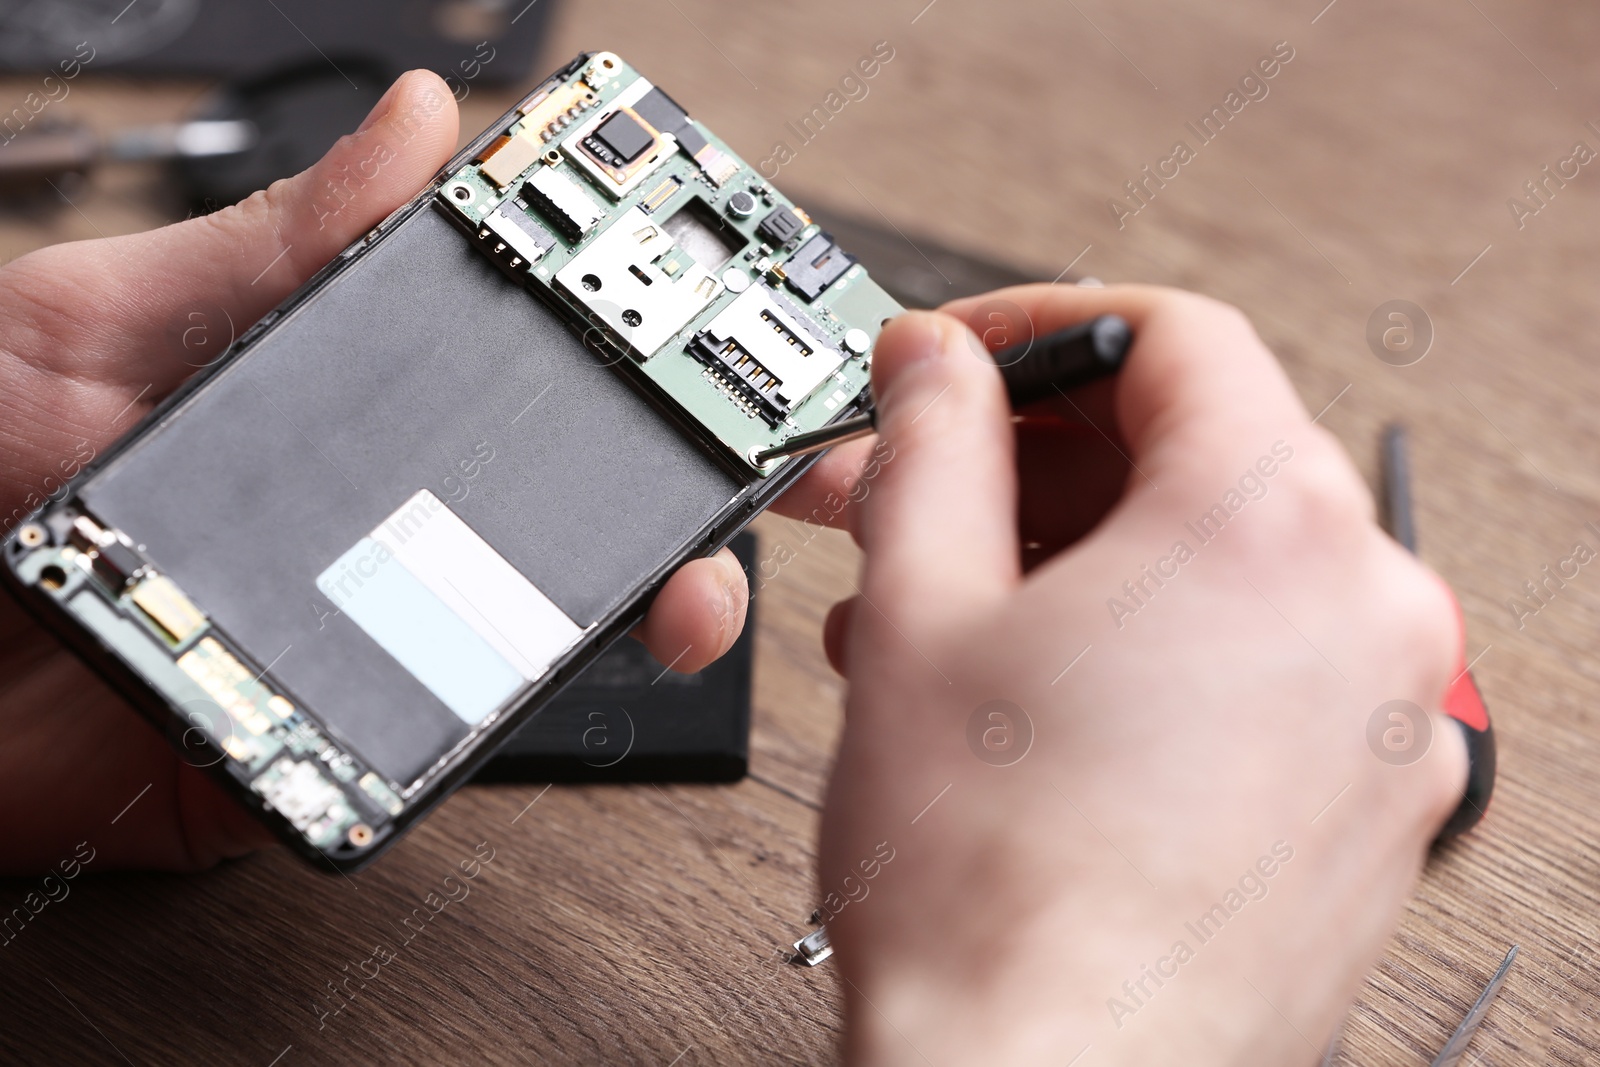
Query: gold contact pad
[(161, 599), (508, 157), (230, 684), (547, 115)]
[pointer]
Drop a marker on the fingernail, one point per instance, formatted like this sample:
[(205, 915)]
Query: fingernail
[(381, 109), (916, 338), (922, 336), (731, 596)]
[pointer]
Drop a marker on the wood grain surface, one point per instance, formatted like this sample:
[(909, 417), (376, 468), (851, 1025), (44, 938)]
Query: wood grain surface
[(648, 925)]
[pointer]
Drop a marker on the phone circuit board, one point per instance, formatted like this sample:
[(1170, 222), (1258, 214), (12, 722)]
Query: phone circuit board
[(607, 199)]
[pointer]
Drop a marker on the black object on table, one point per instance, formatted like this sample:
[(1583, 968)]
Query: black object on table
[(630, 719)]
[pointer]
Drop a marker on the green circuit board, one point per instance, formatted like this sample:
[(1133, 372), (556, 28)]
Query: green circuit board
[(609, 201)]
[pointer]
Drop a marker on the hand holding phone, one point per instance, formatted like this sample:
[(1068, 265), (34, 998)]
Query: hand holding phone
[(92, 335)]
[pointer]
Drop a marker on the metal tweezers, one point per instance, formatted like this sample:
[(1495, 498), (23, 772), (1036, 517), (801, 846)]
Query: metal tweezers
[(1456, 1047)]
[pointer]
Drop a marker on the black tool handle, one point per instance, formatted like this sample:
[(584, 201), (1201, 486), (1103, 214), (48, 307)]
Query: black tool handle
[(1463, 702), (1033, 370), (1056, 362), (33, 159), (1481, 760)]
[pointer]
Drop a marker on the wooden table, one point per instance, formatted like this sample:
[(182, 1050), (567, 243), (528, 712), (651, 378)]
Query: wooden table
[(645, 924)]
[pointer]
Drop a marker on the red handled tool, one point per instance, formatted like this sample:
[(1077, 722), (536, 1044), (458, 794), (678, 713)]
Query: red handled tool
[(1462, 701)]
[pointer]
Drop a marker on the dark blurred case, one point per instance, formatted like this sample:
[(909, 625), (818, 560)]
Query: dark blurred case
[(233, 39)]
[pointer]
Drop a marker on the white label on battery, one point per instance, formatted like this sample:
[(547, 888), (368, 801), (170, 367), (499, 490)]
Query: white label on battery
[(440, 600)]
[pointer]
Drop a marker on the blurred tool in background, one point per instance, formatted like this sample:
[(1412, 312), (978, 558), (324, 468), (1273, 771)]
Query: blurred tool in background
[(299, 74), (242, 138), (1456, 1047), (229, 39)]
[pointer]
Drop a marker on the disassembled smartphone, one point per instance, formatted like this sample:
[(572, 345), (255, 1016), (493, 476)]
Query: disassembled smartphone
[(427, 490)]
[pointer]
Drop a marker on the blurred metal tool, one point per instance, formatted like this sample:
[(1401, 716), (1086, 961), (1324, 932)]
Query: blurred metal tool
[(1397, 487), (1333, 1047), (35, 158), (244, 136), (1456, 1047)]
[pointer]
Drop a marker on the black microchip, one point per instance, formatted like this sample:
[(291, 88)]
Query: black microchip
[(619, 140), (661, 111), (818, 264), (690, 139), (779, 226), (117, 563)]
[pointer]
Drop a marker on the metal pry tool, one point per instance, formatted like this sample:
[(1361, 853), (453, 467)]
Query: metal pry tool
[(1456, 1047), (1032, 371)]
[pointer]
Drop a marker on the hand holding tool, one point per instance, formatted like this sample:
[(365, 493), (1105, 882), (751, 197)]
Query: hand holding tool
[(1032, 371)]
